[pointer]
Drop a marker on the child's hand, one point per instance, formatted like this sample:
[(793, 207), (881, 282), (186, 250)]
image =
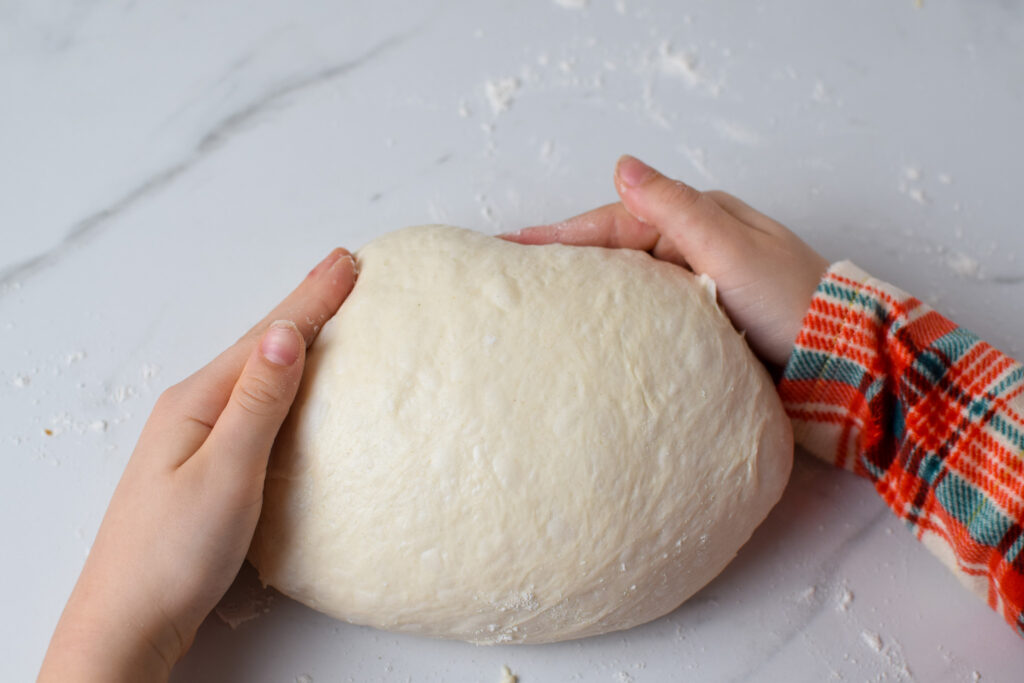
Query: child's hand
[(181, 519), (765, 274)]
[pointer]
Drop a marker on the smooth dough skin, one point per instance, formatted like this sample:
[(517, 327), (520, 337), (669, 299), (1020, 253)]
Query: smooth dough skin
[(518, 444)]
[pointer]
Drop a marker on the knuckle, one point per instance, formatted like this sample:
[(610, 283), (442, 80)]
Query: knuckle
[(258, 396), (322, 307), (679, 194), (169, 398)]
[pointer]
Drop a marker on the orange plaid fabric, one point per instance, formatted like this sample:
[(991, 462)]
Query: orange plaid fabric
[(880, 384)]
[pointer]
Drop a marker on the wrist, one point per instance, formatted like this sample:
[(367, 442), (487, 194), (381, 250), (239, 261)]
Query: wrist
[(102, 637)]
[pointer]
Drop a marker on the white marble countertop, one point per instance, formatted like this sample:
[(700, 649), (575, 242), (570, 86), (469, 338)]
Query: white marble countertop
[(169, 170)]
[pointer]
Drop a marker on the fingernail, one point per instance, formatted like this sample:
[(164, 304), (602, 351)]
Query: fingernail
[(344, 258), (281, 343), (328, 261), (633, 172), (343, 255)]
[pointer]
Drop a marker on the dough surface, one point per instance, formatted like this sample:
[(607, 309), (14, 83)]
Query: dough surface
[(524, 444)]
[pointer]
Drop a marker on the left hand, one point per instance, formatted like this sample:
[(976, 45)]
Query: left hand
[(181, 519)]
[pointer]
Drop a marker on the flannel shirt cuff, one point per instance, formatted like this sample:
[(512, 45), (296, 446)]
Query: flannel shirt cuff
[(880, 384), (823, 381)]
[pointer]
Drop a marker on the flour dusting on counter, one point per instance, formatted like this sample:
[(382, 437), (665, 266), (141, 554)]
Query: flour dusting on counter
[(845, 598), (686, 65), (738, 133), (501, 93), (872, 640), (963, 265)]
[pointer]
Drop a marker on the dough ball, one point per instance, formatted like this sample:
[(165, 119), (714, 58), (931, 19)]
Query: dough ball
[(518, 444)]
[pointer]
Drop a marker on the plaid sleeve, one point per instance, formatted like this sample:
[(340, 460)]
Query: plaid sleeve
[(880, 384)]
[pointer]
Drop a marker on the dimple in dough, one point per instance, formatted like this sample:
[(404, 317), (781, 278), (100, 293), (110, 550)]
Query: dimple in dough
[(518, 444)]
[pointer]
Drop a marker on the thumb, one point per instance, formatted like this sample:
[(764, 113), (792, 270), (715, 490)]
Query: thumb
[(246, 428), (691, 223)]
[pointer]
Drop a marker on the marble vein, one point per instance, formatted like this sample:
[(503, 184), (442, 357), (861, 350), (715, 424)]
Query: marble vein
[(1007, 279), (219, 134)]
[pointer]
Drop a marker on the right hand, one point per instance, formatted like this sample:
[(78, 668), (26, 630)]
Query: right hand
[(765, 274)]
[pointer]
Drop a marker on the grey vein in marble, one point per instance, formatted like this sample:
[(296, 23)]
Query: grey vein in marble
[(224, 130)]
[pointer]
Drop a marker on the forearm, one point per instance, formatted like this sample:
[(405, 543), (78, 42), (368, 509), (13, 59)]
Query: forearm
[(880, 384), (99, 638), (79, 652)]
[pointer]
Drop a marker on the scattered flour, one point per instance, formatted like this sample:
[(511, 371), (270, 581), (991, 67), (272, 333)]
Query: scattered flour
[(572, 4), (303, 678), (21, 381), (687, 66), (845, 598), (963, 265), (486, 210), (821, 93), (682, 64), (651, 108), (501, 93), (521, 600), (64, 423), (547, 148), (890, 652), (122, 393), (734, 132), (872, 640), (915, 193), (699, 159)]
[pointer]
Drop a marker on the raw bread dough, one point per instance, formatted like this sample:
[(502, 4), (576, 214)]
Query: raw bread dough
[(523, 444)]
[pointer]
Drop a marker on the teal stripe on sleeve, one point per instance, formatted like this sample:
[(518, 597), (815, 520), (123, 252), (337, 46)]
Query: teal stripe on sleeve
[(983, 521), (806, 364)]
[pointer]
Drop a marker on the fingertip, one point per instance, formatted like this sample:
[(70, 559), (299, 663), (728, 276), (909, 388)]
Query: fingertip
[(345, 271), (655, 198), (631, 172), (328, 261), (282, 344), (631, 177)]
